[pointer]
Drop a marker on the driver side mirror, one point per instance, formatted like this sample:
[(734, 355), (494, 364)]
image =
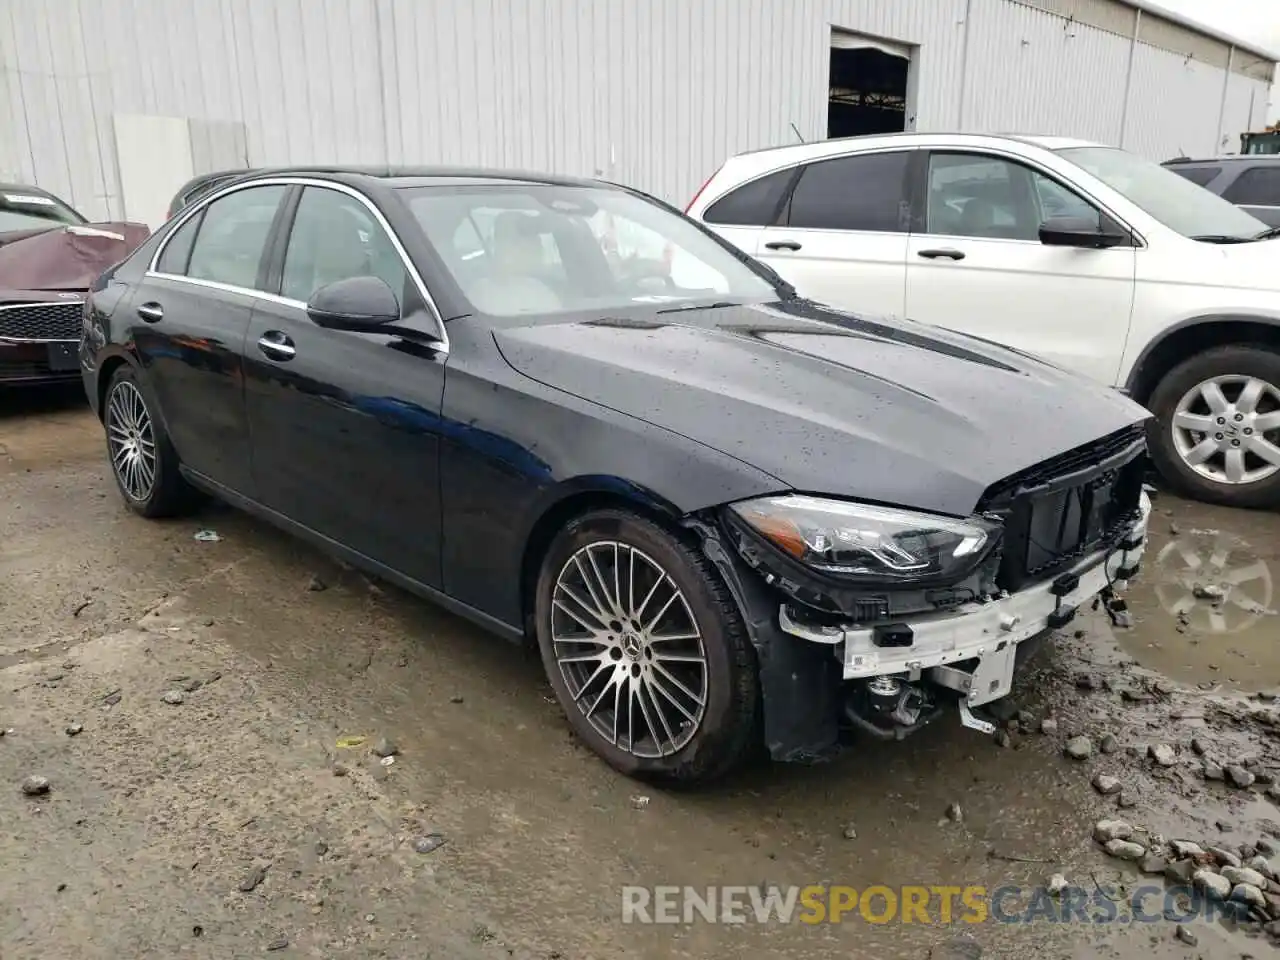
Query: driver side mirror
[(1084, 232), (355, 304)]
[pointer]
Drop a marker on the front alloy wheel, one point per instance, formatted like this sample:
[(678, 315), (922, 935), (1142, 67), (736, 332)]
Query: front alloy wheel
[(1216, 435), (629, 648), (1226, 429), (646, 649)]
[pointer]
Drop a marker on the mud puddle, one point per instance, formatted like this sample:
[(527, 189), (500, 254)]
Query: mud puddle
[(1205, 607)]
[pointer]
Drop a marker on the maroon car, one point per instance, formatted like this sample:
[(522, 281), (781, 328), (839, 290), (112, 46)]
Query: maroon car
[(49, 257)]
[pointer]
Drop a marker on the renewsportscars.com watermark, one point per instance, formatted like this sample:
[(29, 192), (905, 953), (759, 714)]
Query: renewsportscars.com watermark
[(817, 904)]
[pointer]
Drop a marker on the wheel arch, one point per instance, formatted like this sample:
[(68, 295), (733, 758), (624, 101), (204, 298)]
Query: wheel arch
[(1192, 336), (575, 498), (108, 364)]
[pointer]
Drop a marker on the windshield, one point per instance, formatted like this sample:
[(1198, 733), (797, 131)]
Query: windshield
[(1173, 200), (28, 210), (536, 248)]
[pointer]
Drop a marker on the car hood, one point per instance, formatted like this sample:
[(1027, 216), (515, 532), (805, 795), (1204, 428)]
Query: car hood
[(67, 257), (826, 402)]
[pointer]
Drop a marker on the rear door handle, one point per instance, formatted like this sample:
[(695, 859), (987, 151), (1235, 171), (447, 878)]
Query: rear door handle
[(782, 245), (151, 312), (944, 253), (276, 346)]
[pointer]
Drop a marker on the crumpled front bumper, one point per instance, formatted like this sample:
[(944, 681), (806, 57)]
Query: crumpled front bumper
[(985, 636)]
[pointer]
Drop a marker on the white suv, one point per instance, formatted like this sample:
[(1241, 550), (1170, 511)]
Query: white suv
[(1086, 255)]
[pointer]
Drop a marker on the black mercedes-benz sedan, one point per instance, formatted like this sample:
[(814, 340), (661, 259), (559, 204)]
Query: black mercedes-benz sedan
[(728, 516)]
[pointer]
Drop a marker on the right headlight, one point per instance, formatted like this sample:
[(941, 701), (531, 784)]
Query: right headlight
[(867, 543)]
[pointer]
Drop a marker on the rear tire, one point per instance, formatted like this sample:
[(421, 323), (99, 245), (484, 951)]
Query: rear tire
[(1238, 385), (143, 461), (646, 650)]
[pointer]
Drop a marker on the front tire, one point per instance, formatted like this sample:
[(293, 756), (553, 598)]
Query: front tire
[(1216, 434), (646, 650), (143, 461)]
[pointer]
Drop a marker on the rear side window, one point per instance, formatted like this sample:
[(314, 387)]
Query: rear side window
[(1257, 186), (232, 235), (1201, 176), (178, 250), (853, 193), (753, 204)]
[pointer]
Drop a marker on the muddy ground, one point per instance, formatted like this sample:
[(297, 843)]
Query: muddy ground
[(233, 823)]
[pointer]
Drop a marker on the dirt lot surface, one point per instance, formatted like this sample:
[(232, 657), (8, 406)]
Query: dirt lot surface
[(197, 708)]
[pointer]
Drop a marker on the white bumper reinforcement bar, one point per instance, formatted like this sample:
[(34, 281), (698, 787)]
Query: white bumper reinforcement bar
[(988, 632)]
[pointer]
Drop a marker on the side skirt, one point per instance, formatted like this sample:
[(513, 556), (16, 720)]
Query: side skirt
[(355, 558)]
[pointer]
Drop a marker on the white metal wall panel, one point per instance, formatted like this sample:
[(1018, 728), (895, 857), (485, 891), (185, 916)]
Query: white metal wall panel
[(1174, 105), (1034, 72), (650, 92)]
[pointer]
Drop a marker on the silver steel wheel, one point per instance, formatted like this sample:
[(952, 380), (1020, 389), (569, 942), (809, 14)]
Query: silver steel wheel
[(131, 441), (629, 649), (1227, 429)]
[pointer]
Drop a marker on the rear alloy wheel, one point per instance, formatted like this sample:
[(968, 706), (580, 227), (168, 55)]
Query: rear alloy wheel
[(1217, 437), (646, 649), (142, 459)]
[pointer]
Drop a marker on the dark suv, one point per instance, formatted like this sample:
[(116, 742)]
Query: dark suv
[(1250, 182)]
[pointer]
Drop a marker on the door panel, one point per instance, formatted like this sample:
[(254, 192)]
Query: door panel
[(192, 358), (843, 233), (189, 321), (345, 426), (979, 267), (859, 272), (346, 436)]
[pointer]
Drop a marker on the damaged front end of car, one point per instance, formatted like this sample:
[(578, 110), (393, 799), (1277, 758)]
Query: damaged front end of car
[(880, 619)]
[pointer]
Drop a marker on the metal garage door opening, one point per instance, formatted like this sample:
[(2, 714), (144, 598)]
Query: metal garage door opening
[(868, 85)]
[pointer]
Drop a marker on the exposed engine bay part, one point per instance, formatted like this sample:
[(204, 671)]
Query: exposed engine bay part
[(890, 708)]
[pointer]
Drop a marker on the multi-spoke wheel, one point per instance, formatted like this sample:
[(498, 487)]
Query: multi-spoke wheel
[(131, 441), (1217, 435), (645, 649), (142, 459)]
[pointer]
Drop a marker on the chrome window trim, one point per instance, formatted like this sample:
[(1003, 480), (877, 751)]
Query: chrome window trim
[(153, 273)]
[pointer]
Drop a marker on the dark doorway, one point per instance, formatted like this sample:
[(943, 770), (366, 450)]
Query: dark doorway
[(868, 92)]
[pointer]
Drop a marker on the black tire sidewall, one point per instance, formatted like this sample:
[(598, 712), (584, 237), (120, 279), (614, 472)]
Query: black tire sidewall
[(1242, 360), (722, 681)]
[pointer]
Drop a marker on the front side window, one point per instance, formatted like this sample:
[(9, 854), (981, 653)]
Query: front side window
[(232, 235), (1057, 201), (536, 248), (866, 192), (336, 237), (1174, 201), (971, 195), (1257, 186)]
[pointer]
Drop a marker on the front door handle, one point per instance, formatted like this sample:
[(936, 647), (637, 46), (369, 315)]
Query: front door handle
[(151, 312), (944, 253), (276, 346), (782, 245)]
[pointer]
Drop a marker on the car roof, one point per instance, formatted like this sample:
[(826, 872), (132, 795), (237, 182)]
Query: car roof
[(1233, 159), (839, 145), (417, 176)]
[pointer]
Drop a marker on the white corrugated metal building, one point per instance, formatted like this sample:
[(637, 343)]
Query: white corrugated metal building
[(112, 103)]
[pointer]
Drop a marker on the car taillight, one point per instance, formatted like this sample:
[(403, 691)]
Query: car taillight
[(704, 186)]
